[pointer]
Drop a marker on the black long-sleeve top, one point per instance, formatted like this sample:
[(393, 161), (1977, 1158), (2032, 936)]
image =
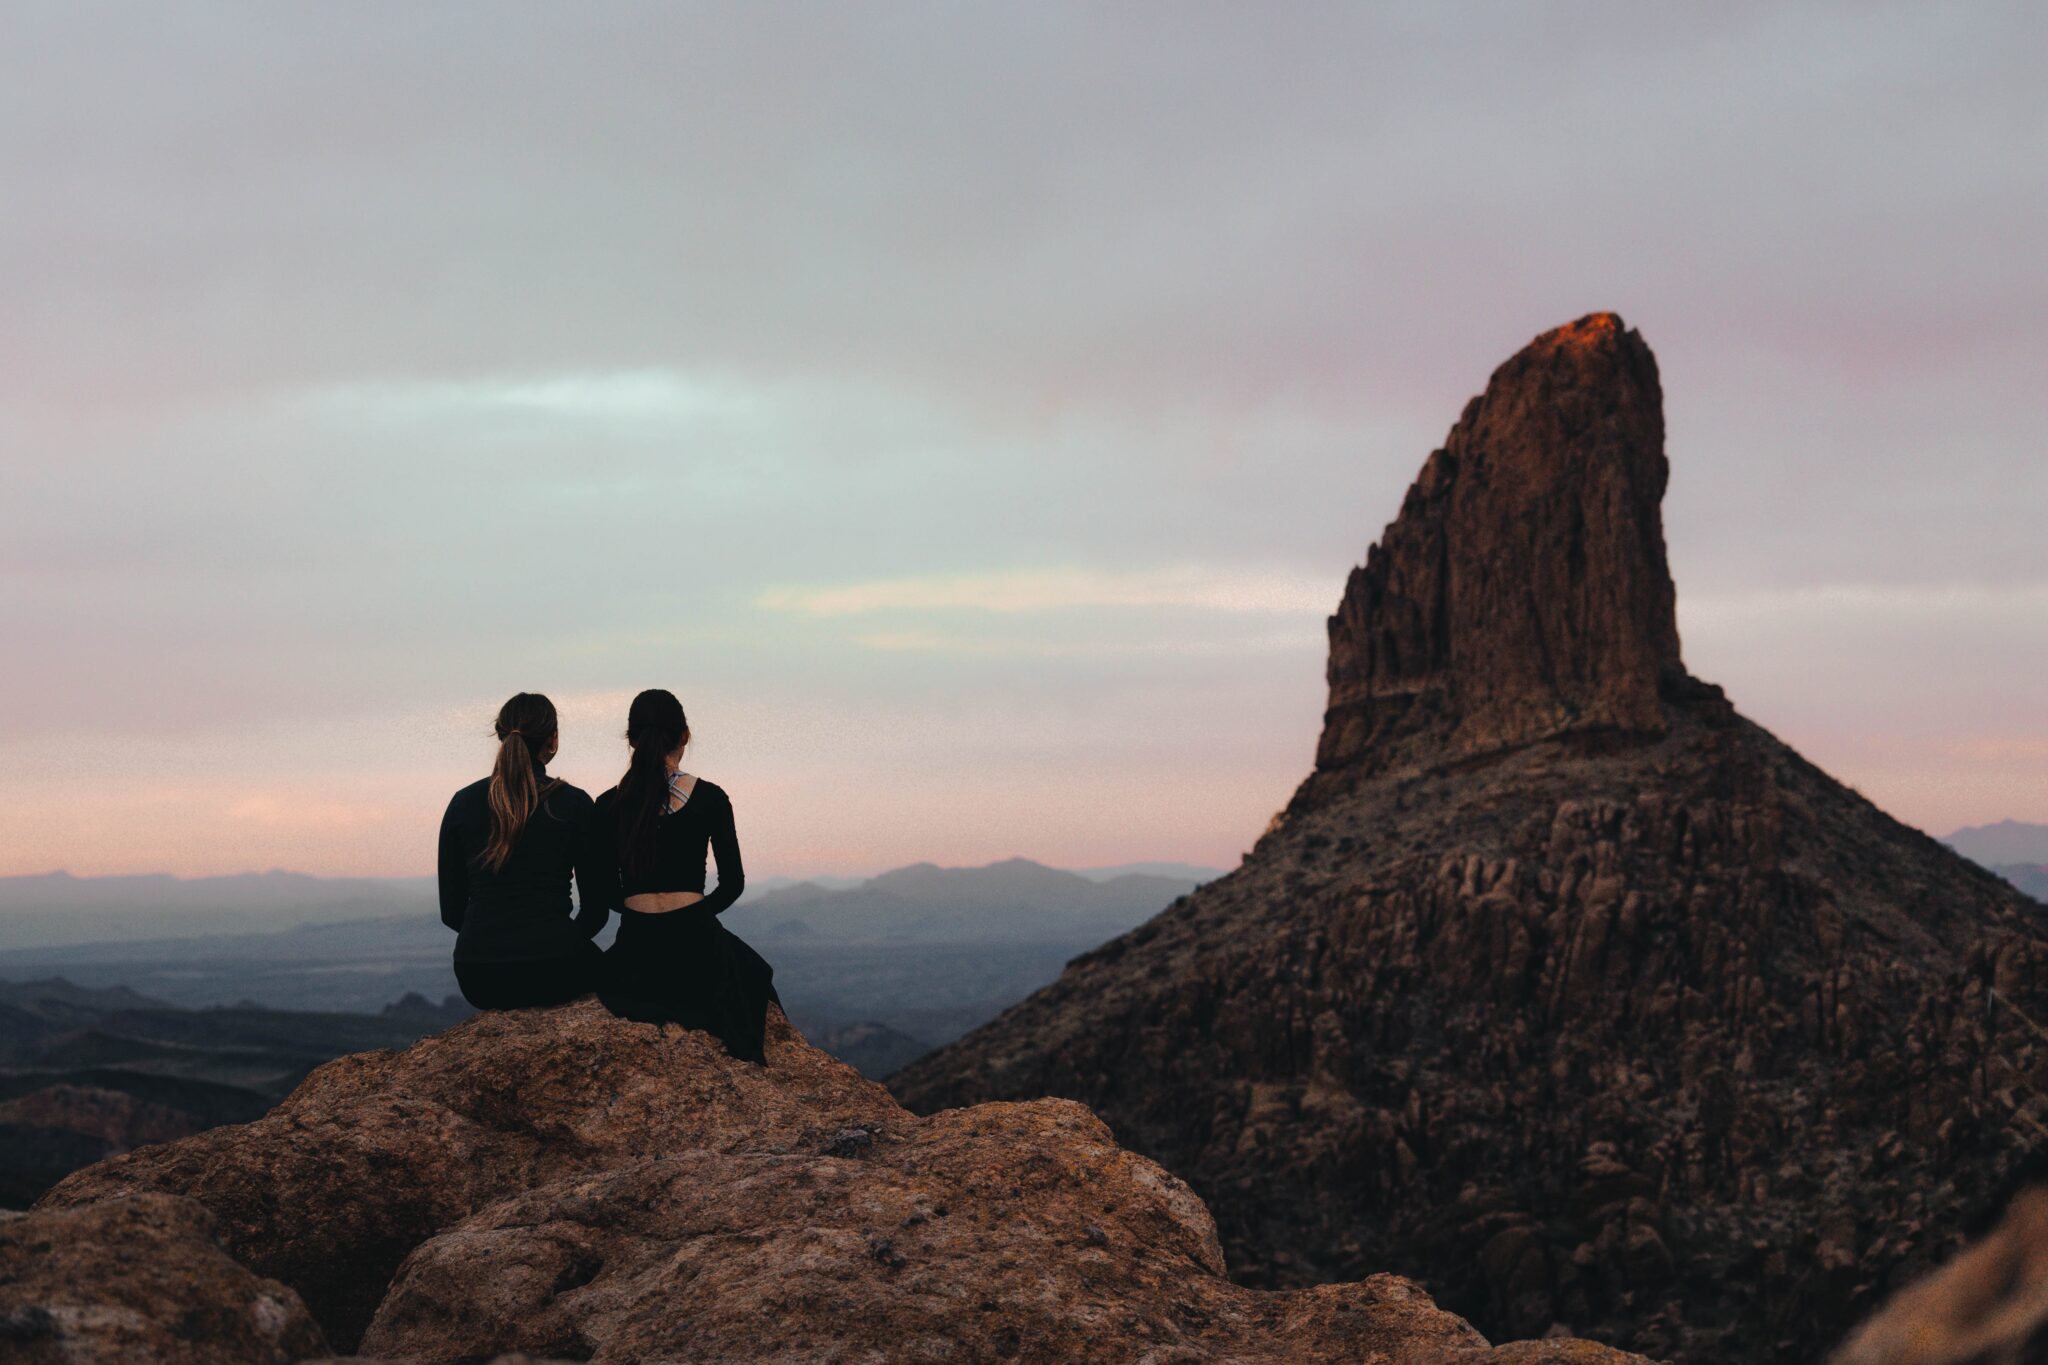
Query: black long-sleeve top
[(522, 913), (682, 838)]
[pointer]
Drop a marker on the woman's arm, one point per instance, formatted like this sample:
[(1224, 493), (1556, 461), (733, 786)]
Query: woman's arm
[(453, 872), (597, 871), (725, 847)]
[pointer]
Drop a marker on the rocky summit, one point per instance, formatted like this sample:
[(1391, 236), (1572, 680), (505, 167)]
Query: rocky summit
[(1522, 594), (1559, 985), (563, 1185)]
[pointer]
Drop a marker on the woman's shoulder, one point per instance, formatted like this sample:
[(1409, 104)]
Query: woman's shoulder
[(566, 801), (475, 792), (709, 791)]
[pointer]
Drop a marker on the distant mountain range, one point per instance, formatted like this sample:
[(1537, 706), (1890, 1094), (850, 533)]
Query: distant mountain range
[(876, 970), (58, 909), (2031, 878), (2004, 844), (1180, 872), (2015, 850), (1013, 901), (203, 1002)]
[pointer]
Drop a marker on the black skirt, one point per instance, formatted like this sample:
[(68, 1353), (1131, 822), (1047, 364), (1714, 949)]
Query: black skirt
[(689, 969)]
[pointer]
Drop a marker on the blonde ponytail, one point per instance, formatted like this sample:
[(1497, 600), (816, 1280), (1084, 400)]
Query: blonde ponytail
[(525, 725)]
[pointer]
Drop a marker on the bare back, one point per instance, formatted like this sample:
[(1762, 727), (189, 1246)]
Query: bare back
[(680, 786)]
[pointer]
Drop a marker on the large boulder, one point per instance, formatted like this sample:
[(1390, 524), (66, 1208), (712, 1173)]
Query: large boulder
[(139, 1279), (571, 1185), (999, 1232), (378, 1151)]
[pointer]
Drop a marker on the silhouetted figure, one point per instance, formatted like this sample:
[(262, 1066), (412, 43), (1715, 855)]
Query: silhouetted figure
[(509, 845), (673, 961)]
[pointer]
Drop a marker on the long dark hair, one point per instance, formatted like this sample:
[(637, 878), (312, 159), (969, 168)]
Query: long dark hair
[(525, 728), (656, 728)]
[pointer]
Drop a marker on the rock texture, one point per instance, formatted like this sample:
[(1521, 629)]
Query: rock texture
[(1522, 593), (574, 1186), (994, 1232), (116, 1121), (139, 1280), (1559, 985), (1989, 1303), (377, 1151)]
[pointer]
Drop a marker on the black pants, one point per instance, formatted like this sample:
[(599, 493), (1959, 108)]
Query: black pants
[(518, 985)]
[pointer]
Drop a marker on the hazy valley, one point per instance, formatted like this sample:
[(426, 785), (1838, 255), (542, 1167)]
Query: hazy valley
[(107, 1045)]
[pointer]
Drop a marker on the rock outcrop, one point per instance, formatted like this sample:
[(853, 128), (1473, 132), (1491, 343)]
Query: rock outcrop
[(139, 1279), (1522, 593), (377, 1151), (574, 1186), (1559, 986)]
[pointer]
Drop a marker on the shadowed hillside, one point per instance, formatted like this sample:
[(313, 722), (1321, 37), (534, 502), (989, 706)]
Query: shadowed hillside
[(90, 1073)]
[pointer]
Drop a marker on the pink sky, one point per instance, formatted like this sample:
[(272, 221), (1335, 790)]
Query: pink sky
[(971, 414)]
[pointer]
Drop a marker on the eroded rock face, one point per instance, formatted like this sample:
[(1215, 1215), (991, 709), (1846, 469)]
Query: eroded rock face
[(1522, 593), (136, 1280), (575, 1186), (1559, 986)]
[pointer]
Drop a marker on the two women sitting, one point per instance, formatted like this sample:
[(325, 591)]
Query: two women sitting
[(511, 844)]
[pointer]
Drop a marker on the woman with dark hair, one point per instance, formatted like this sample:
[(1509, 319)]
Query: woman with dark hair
[(509, 845), (673, 960)]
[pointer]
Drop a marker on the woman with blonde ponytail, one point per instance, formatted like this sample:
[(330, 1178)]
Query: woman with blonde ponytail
[(509, 846)]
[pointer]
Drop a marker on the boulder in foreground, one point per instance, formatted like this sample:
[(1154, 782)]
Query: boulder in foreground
[(139, 1279), (570, 1185), (378, 1151)]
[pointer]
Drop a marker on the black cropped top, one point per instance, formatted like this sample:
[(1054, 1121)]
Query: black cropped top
[(703, 822)]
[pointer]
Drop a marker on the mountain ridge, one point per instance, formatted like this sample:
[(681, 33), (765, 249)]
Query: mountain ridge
[(62, 910), (1544, 893)]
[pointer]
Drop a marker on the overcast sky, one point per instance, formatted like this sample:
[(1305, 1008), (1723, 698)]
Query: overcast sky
[(970, 411)]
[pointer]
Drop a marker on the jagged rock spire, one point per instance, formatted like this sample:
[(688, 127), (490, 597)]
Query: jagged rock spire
[(1650, 1029), (1522, 592)]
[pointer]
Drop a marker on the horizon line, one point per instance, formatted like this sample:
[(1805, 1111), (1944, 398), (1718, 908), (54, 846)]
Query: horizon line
[(68, 875)]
